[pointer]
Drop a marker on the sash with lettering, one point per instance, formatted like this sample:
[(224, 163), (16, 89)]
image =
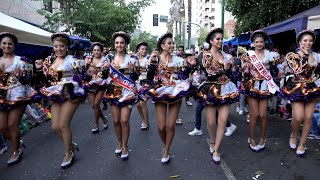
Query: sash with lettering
[(123, 81), (272, 86)]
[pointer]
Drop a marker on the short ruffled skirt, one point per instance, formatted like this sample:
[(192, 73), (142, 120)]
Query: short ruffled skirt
[(16, 95), (143, 86), (217, 94), (66, 89), (300, 91), (257, 89), (95, 85), (119, 96), (168, 94)]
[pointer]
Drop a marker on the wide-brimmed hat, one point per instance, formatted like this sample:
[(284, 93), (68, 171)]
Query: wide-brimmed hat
[(97, 44), (188, 52), (162, 38), (309, 32), (11, 35), (122, 34), (141, 44), (260, 31), (60, 34), (214, 30)]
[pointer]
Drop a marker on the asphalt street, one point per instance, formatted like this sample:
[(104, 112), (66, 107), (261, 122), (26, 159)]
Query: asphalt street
[(190, 155)]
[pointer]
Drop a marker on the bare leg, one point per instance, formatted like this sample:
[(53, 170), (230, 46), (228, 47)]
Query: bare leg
[(173, 113), (211, 123), (139, 107), (116, 115), (67, 111), (161, 111), (13, 126), (144, 111), (308, 115), (254, 113), (91, 98), (97, 103), (55, 119), (125, 126), (298, 116), (222, 121), (263, 104)]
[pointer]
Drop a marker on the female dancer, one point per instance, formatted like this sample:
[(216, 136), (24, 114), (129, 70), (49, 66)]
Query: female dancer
[(170, 86), (258, 85), (217, 92), (15, 92), (303, 88), (63, 73), (96, 83), (121, 92), (142, 48)]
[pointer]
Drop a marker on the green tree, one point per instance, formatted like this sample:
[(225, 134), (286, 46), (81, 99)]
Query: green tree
[(255, 14), (96, 19), (202, 35), (144, 37)]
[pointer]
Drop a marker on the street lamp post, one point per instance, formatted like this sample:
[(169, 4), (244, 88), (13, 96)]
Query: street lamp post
[(222, 14)]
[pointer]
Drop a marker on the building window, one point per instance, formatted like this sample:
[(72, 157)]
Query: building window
[(207, 1), (207, 10), (213, 1), (212, 9), (212, 25), (48, 6), (212, 17)]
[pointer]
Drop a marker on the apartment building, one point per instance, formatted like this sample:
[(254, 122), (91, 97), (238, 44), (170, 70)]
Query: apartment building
[(207, 13), (27, 9)]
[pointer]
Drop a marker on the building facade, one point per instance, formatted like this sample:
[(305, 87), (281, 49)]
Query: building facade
[(207, 13), (26, 10)]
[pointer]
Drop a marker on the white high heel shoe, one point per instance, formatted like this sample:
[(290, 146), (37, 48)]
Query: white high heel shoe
[(125, 156), (216, 159), (253, 148), (301, 153), (292, 146), (167, 159), (262, 146), (118, 152), (67, 164)]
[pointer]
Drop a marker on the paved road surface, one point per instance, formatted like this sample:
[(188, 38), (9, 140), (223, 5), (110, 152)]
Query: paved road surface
[(190, 155)]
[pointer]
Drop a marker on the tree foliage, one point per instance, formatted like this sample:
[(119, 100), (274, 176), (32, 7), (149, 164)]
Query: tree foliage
[(96, 19), (202, 35), (144, 37), (255, 14)]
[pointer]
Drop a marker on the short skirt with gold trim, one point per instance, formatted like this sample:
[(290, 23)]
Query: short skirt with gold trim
[(118, 95), (216, 94), (300, 90)]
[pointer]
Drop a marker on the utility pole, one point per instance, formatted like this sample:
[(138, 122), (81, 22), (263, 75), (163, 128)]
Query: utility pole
[(222, 14), (189, 23)]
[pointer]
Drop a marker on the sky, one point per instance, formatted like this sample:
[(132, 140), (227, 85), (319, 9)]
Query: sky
[(160, 7)]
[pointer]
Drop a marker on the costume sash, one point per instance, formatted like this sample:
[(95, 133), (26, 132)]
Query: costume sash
[(121, 79), (263, 71)]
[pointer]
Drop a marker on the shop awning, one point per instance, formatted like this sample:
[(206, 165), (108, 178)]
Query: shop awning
[(25, 32)]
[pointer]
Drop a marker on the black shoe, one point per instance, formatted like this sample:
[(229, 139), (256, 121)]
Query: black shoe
[(17, 159), (105, 106), (95, 130), (271, 112)]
